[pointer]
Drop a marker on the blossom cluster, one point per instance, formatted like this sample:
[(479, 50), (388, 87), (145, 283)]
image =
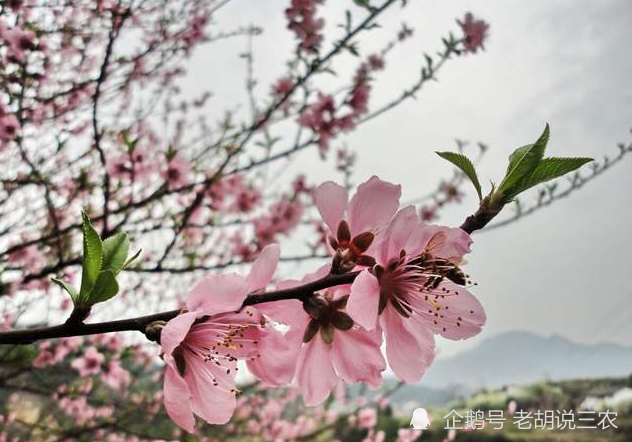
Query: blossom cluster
[(92, 118), (88, 408), (474, 32), (408, 288), (301, 15), (327, 119)]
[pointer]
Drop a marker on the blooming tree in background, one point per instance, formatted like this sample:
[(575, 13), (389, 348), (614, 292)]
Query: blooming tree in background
[(105, 154)]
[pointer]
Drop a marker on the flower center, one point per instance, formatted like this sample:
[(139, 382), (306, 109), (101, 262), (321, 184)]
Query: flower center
[(173, 174), (326, 316), (350, 251), (404, 281), (92, 363), (220, 342)]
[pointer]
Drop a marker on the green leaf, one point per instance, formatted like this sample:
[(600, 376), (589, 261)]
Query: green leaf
[(547, 170), (68, 288), (105, 287), (115, 250), (466, 166), (523, 161), (363, 3), (132, 259), (92, 256), (131, 144)]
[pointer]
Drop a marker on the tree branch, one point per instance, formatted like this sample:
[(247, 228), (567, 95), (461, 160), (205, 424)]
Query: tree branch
[(485, 213), (28, 336), (474, 222)]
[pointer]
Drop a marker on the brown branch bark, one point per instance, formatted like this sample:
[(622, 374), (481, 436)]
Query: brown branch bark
[(28, 336), (477, 221), (485, 213)]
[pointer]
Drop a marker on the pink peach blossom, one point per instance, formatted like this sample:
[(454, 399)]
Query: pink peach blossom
[(354, 223), (201, 347), (283, 216), (407, 435), (137, 164), (8, 127), (201, 362), (512, 407), (321, 118), (367, 418), (375, 436), (89, 363), (302, 20), (474, 32), (20, 42), (416, 290), (177, 171), (115, 376), (326, 343), (359, 100), (282, 87)]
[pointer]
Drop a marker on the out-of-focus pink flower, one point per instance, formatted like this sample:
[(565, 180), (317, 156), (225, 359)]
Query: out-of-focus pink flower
[(359, 100), (20, 42), (352, 420), (367, 418), (354, 223), (8, 127), (283, 216), (16, 5), (115, 376), (428, 213), (450, 192), (79, 409), (45, 355), (111, 341), (407, 435), (299, 185), (416, 289), (89, 363), (177, 171), (363, 74), (375, 436), (512, 407), (382, 402), (194, 32), (376, 62), (301, 15), (245, 199), (7, 320), (136, 163), (474, 32), (325, 120), (201, 357), (321, 118), (282, 87), (30, 257)]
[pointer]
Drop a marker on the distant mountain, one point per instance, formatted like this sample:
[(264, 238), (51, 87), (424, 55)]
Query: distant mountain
[(520, 357)]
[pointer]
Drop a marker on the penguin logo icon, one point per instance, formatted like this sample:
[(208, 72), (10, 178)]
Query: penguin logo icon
[(420, 420)]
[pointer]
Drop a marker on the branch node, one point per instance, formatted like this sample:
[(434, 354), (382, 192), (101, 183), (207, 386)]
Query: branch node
[(153, 330), (79, 314)]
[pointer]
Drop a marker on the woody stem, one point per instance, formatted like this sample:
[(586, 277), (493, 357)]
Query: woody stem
[(301, 292), (70, 328)]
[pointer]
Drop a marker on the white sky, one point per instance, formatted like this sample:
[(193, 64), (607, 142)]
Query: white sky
[(563, 270)]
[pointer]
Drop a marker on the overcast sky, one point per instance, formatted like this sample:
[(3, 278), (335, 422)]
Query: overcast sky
[(564, 270)]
